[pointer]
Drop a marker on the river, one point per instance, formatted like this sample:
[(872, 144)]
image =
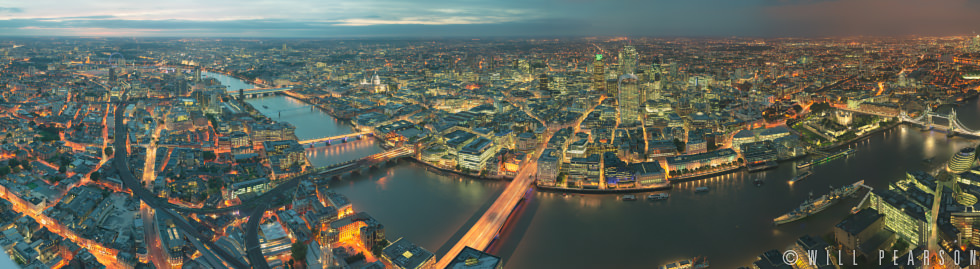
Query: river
[(730, 225)]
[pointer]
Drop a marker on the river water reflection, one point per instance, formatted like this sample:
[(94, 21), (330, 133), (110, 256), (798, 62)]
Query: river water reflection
[(730, 225)]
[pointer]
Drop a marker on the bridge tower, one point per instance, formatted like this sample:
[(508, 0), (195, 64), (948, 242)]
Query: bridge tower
[(952, 120), (928, 113)]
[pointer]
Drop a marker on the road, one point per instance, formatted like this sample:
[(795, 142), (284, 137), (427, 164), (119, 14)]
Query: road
[(253, 249), (121, 162), (153, 248), (486, 229)]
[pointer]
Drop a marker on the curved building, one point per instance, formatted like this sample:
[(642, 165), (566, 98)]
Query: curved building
[(962, 161)]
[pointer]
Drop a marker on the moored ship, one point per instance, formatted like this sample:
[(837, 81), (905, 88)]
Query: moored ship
[(814, 206), (658, 197), (803, 164), (799, 177), (694, 263)]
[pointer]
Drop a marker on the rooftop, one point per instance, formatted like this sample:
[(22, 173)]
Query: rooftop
[(470, 258), (405, 254), (856, 223)]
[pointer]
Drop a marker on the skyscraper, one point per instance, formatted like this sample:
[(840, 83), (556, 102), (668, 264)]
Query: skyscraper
[(627, 60), (975, 44), (543, 82), (112, 74), (524, 66), (598, 74), (629, 101)]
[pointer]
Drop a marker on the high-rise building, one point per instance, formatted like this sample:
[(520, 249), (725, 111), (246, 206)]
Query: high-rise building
[(549, 165), (598, 74), (962, 161), (543, 82), (556, 84), (627, 60), (524, 66), (112, 74), (975, 44), (629, 101), (908, 218)]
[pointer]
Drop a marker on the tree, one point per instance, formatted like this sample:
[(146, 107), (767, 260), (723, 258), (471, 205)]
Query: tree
[(712, 147), (680, 145), (378, 247), (209, 155), (819, 107), (299, 251), (108, 151), (26, 166), (95, 176), (354, 258), (62, 169), (4, 170), (215, 184)]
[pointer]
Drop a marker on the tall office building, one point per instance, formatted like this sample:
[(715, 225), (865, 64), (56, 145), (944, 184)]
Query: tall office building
[(906, 217), (598, 74), (975, 44), (543, 82), (556, 84), (629, 100), (112, 74), (524, 66), (627, 60)]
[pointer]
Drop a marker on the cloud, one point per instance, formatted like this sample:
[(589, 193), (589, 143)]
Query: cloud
[(326, 18), (792, 2), (874, 17), (11, 10), (282, 28)]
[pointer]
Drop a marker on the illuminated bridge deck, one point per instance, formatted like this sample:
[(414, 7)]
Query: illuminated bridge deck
[(332, 138)]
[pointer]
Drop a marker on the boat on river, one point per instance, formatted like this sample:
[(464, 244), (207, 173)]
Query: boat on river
[(813, 206)]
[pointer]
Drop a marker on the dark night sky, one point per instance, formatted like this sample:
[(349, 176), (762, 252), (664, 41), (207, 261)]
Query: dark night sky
[(432, 18)]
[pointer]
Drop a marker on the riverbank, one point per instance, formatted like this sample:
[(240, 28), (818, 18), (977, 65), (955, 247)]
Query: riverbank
[(321, 107), (602, 191), (862, 137), (444, 171), (703, 176)]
